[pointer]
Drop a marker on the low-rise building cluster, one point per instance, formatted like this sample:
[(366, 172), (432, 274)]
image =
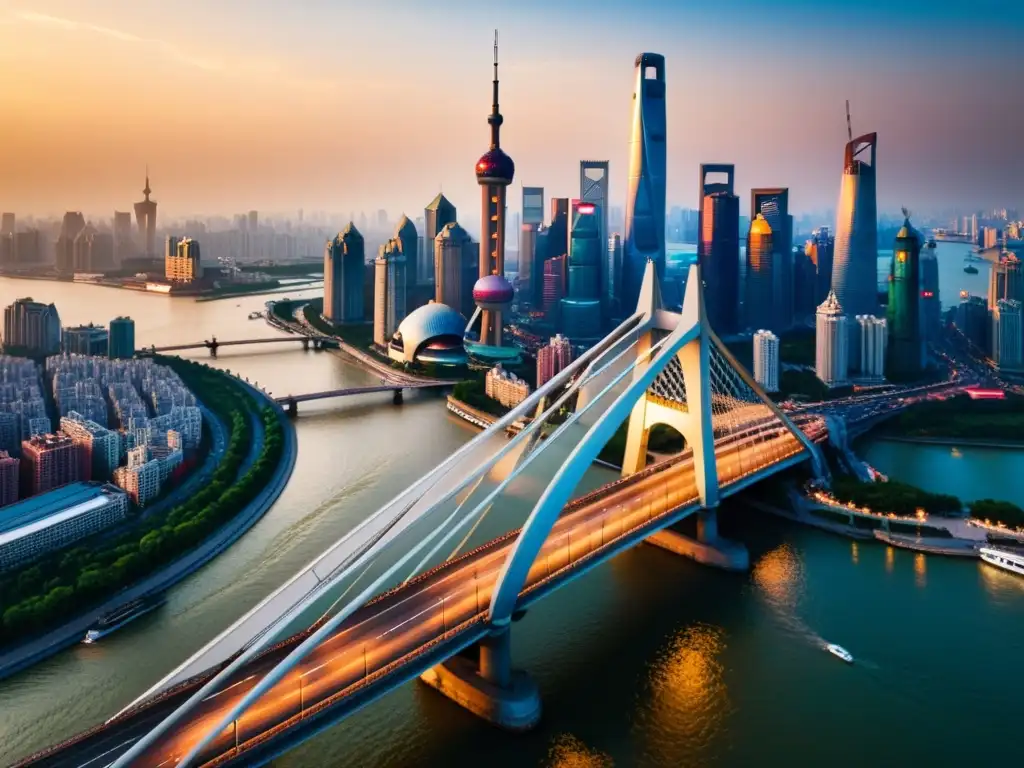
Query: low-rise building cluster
[(505, 387)]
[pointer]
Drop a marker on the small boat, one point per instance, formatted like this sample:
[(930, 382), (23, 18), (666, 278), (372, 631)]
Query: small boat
[(842, 653), (970, 269), (118, 617), (257, 315), (1001, 558)]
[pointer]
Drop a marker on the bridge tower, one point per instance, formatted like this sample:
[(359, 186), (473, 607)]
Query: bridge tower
[(212, 346)]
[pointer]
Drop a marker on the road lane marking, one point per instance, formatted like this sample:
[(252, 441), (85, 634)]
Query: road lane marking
[(136, 738)]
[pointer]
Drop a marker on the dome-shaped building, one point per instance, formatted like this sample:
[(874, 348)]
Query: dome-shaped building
[(493, 292), (430, 334)]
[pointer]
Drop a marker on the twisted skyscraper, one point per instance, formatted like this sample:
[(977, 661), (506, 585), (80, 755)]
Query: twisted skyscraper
[(645, 198)]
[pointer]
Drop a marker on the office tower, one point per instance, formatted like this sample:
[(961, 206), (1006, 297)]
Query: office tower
[(123, 246), (344, 271), (594, 189), (972, 320), (85, 340), (558, 228), (874, 338), (718, 248), (99, 449), (614, 288), (553, 358), (122, 339), (766, 360), (831, 342), (906, 346), (821, 250), (453, 266), (407, 240), (530, 259), (389, 291), (48, 462), (555, 279), (494, 172), (31, 328), (773, 204), (974, 228), (645, 196), (184, 265), (762, 282), (855, 266), (505, 387), (145, 217), (27, 247), (1005, 280), (1007, 341), (8, 478), (7, 224), (93, 251), (581, 307), (72, 224), (254, 221), (931, 307), (7, 256), (438, 214)]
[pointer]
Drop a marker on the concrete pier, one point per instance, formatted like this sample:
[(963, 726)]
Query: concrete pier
[(708, 549), (492, 690)]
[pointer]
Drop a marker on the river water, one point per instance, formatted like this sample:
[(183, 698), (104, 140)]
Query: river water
[(649, 660)]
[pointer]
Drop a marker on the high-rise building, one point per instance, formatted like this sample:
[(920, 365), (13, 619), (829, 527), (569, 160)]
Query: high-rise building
[(389, 291), (614, 271), (972, 320), (581, 307), (93, 251), (773, 204), (145, 217), (407, 240), (48, 462), (594, 189), (855, 267), (766, 360), (718, 248), (906, 346), (32, 328), (8, 478), (7, 221), (505, 387), (645, 196), (254, 221), (931, 306), (760, 307), (72, 224), (124, 247), (85, 340), (1007, 338), (99, 449), (344, 271), (455, 257), (141, 481), (553, 358), (531, 265), (554, 287), (28, 247), (185, 264), (494, 172), (832, 340), (874, 338), (821, 250), (122, 339), (438, 213), (1006, 280), (7, 254)]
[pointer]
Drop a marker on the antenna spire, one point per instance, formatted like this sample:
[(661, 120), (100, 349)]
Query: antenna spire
[(495, 118), (849, 125)]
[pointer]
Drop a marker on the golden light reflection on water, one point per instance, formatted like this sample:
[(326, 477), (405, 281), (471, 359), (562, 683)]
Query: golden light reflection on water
[(854, 552), (920, 570), (890, 559), (779, 575), (569, 752), (998, 583)]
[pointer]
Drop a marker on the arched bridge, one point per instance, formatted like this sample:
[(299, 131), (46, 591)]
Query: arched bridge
[(213, 344)]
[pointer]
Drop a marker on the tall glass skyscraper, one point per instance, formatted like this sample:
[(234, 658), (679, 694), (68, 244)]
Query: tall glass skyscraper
[(759, 307), (905, 353), (773, 204), (344, 272), (581, 308), (718, 247), (531, 261), (855, 266), (438, 213), (645, 197), (594, 189)]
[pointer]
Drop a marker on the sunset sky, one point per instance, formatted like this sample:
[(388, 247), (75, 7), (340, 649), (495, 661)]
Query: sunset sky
[(342, 105)]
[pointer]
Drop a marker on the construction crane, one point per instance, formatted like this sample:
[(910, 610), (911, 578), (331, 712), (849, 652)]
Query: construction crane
[(849, 125)]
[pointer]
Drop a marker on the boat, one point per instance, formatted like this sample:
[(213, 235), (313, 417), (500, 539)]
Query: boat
[(257, 314), (118, 617), (842, 653), (1003, 558), (970, 269)]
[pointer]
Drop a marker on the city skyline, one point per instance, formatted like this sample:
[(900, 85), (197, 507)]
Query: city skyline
[(223, 129)]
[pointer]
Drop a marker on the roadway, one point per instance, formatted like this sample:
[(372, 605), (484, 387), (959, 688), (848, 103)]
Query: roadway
[(381, 640)]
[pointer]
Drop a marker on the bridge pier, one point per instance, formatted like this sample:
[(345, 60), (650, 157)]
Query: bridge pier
[(490, 688), (396, 397), (708, 548)]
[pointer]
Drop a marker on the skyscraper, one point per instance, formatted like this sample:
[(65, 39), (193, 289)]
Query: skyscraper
[(821, 249), (344, 271), (762, 283), (931, 307), (48, 462), (614, 258), (123, 247), (855, 267), (389, 291), (31, 328), (905, 355), (832, 339), (645, 196), (71, 226), (494, 172), (145, 217), (972, 320), (874, 338), (766, 360), (407, 240), (94, 251), (182, 260), (718, 247), (7, 221), (773, 204), (553, 358), (581, 308), (1006, 280), (122, 339), (453, 266), (27, 248), (438, 213), (1007, 338), (531, 261), (594, 189), (554, 287)]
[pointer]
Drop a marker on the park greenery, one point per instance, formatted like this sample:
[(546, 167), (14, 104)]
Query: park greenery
[(38, 596), (961, 417), (893, 496), (998, 512), (471, 392)]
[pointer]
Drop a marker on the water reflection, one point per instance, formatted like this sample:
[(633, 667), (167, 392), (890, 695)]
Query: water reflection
[(1002, 586), (779, 575), (854, 552), (570, 752), (890, 559), (920, 570)]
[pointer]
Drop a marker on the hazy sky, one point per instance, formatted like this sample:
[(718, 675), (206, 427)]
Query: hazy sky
[(342, 105)]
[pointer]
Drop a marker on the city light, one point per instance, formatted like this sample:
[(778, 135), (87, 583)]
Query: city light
[(585, 208)]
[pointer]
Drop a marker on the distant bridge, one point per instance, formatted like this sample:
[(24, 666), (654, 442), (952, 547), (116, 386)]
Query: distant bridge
[(212, 344), (291, 402)]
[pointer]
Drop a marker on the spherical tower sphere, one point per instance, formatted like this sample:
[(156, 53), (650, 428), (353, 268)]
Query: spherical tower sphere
[(495, 167), (493, 292)]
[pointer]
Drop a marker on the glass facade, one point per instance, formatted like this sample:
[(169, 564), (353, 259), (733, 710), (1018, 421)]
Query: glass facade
[(762, 278), (905, 354), (718, 248), (773, 205), (581, 308)]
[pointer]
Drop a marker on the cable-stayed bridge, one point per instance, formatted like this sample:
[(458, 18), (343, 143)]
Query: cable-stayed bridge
[(431, 583)]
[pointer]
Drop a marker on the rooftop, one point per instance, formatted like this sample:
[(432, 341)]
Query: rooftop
[(52, 507)]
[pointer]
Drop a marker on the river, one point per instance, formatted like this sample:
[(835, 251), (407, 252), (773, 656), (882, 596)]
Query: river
[(649, 660)]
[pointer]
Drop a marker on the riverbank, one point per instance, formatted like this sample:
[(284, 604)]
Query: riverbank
[(18, 658)]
